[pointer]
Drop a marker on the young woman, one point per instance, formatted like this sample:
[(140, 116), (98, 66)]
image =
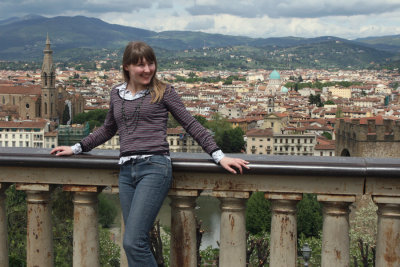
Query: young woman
[(139, 112)]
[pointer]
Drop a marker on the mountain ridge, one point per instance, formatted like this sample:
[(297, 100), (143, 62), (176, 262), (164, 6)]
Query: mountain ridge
[(24, 39)]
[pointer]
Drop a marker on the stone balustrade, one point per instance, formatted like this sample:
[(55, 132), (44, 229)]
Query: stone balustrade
[(336, 181)]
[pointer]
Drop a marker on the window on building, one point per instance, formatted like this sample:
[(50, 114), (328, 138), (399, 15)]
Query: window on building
[(321, 153), (21, 144), (13, 144), (26, 144), (272, 124), (311, 141), (330, 154)]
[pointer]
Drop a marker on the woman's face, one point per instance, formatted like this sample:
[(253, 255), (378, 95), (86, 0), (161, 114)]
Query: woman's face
[(141, 73)]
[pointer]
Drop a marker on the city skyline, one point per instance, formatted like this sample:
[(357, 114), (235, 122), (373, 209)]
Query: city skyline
[(345, 19)]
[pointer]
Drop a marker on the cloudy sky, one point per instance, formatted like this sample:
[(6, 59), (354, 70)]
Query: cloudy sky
[(348, 19)]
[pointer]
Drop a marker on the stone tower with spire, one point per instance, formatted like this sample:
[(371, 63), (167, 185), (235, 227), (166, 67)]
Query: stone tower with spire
[(49, 92)]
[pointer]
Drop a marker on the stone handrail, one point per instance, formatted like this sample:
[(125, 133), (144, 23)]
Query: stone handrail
[(336, 181)]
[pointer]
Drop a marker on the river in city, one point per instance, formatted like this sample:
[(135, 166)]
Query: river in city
[(207, 211)]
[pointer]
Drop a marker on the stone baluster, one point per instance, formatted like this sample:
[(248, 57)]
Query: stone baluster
[(123, 259), (39, 251), (183, 228), (283, 229), (233, 228), (388, 238), (335, 231), (85, 236), (3, 227)]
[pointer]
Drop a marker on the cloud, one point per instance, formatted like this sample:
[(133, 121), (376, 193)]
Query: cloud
[(293, 8), (254, 18), (199, 23), (57, 7)]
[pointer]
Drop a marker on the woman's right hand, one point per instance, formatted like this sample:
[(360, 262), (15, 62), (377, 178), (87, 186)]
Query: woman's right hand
[(62, 151)]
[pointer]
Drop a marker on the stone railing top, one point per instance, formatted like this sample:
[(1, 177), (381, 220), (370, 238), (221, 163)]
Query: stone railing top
[(196, 171)]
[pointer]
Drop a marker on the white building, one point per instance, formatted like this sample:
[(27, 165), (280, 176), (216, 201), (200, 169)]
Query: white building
[(26, 134)]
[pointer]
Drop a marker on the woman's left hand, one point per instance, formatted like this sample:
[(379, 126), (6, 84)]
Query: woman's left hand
[(228, 163)]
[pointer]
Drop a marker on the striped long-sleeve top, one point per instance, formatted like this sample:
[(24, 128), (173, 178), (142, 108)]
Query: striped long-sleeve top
[(150, 134)]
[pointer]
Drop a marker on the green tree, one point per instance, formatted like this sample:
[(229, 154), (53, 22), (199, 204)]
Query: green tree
[(258, 214), (16, 215), (172, 122), (201, 119), (107, 211), (237, 142), (327, 135), (95, 118), (309, 216), (66, 116), (339, 113), (225, 143)]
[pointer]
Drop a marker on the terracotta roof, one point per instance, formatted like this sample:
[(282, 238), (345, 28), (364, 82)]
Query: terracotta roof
[(21, 90), (23, 124), (259, 132)]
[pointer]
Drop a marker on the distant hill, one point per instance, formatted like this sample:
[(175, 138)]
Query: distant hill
[(389, 43), (82, 38)]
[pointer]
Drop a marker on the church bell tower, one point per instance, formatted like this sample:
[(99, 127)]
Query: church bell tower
[(48, 108)]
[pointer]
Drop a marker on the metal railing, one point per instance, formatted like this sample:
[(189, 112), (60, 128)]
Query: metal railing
[(336, 181)]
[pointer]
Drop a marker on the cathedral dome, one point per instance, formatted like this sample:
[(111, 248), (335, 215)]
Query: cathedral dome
[(284, 90), (274, 75)]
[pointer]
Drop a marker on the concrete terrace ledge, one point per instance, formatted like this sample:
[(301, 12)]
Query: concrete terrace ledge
[(336, 181)]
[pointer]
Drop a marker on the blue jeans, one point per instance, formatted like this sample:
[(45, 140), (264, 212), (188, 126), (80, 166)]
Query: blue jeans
[(143, 186)]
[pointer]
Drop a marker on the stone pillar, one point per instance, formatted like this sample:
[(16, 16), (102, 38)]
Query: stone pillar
[(3, 227), (39, 251), (233, 228), (183, 228), (335, 231), (86, 236), (283, 229), (388, 238)]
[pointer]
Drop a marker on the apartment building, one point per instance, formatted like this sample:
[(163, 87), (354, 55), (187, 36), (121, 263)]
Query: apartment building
[(26, 134), (294, 144), (180, 141), (260, 141)]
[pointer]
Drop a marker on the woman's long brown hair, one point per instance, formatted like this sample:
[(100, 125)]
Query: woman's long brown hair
[(133, 54)]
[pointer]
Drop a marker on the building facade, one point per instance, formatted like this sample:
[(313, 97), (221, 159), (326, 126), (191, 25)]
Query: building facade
[(376, 137), (47, 101), (26, 134)]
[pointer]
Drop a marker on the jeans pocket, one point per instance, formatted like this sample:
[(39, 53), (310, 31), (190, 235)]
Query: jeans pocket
[(158, 160)]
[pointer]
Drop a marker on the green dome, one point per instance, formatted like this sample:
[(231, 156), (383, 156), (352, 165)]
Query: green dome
[(274, 75), (284, 89)]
